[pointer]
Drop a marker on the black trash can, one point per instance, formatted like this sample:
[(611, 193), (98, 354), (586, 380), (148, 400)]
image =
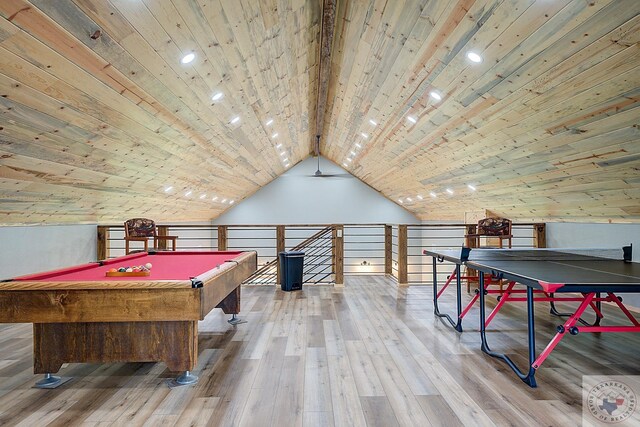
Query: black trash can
[(291, 267)]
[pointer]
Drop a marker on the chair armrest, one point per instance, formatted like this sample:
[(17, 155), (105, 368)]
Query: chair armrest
[(166, 237)]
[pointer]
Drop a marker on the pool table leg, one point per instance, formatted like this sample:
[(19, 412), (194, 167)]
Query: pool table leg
[(172, 342), (231, 305), (51, 381), (186, 378)]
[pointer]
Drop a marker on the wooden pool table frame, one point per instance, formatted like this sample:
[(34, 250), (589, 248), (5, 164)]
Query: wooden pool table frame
[(123, 321)]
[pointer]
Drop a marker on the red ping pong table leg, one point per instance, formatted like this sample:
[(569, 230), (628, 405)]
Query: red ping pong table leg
[(624, 309), (475, 298), (503, 299), (562, 330), (446, 284)]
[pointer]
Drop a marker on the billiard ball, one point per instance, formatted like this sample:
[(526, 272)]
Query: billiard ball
[(122, 269), (148, 265), (112, 270)]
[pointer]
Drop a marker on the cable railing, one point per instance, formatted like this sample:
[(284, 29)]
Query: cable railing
[(331, 251), (364, 249), (318, 264), (442, 236)]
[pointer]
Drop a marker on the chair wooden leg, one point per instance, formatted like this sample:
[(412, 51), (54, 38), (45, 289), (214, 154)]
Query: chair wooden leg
[(126, 247)]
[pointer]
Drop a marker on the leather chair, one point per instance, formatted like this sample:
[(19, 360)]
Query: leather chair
[(497, 228), (141, 230)]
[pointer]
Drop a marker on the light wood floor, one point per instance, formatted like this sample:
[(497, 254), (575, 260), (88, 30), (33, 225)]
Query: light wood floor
[(366, 354)]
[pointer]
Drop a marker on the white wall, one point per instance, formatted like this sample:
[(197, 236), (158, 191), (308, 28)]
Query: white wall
[(25, 250), (298, 197), (581, 235)]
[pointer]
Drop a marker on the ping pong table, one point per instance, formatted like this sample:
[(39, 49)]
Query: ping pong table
[(588, 273)]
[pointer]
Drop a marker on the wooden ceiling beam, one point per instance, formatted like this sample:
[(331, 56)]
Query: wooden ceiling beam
[(327, 29)]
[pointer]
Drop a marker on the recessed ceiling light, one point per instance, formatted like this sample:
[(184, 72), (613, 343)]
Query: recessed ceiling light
[(232, 202), (409, 199), (358, 145), (283, 153), (275, 135), (373, 122), (345, 164), (285, 160), (450, 191), (268, 123), (279, 145), (432, 194), (412, 119), (400, 200), (214, 198), (188, 193), (419, 197), (435, 95), (364, 135), (223, 200), (188, 58), (471, 187), (474, 57), (286, 165), (349, 159), (203, 196), (217, 96), (169, 188), (236, 119), (353, 153)]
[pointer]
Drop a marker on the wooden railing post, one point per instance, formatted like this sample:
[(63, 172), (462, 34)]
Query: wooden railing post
[(540, 235), (402, 255), (163, 230), (222, 237), (338, 253), (280, 247), (470, 242), (102, 251), (388, 249)]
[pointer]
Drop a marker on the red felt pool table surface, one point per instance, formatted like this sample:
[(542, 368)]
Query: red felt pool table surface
[(166, 266)]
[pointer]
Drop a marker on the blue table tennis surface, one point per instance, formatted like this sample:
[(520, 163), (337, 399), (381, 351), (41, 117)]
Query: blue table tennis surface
[(577, 272)]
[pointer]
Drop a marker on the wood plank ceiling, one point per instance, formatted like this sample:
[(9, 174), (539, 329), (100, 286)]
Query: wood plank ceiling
[(99, 116)]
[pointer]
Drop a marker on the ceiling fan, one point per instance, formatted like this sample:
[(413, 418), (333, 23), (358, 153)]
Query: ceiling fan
[(318, 173)]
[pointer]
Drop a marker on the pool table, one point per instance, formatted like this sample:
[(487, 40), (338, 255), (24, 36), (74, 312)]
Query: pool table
[(81, 315)]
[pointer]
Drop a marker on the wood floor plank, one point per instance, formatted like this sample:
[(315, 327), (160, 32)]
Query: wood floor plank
[(317, 386), (415, 377), (333, 338), (347, 410), (439, 412), (378, 411), (404, 403), (288, 406), (363, 370), (317, 419)]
